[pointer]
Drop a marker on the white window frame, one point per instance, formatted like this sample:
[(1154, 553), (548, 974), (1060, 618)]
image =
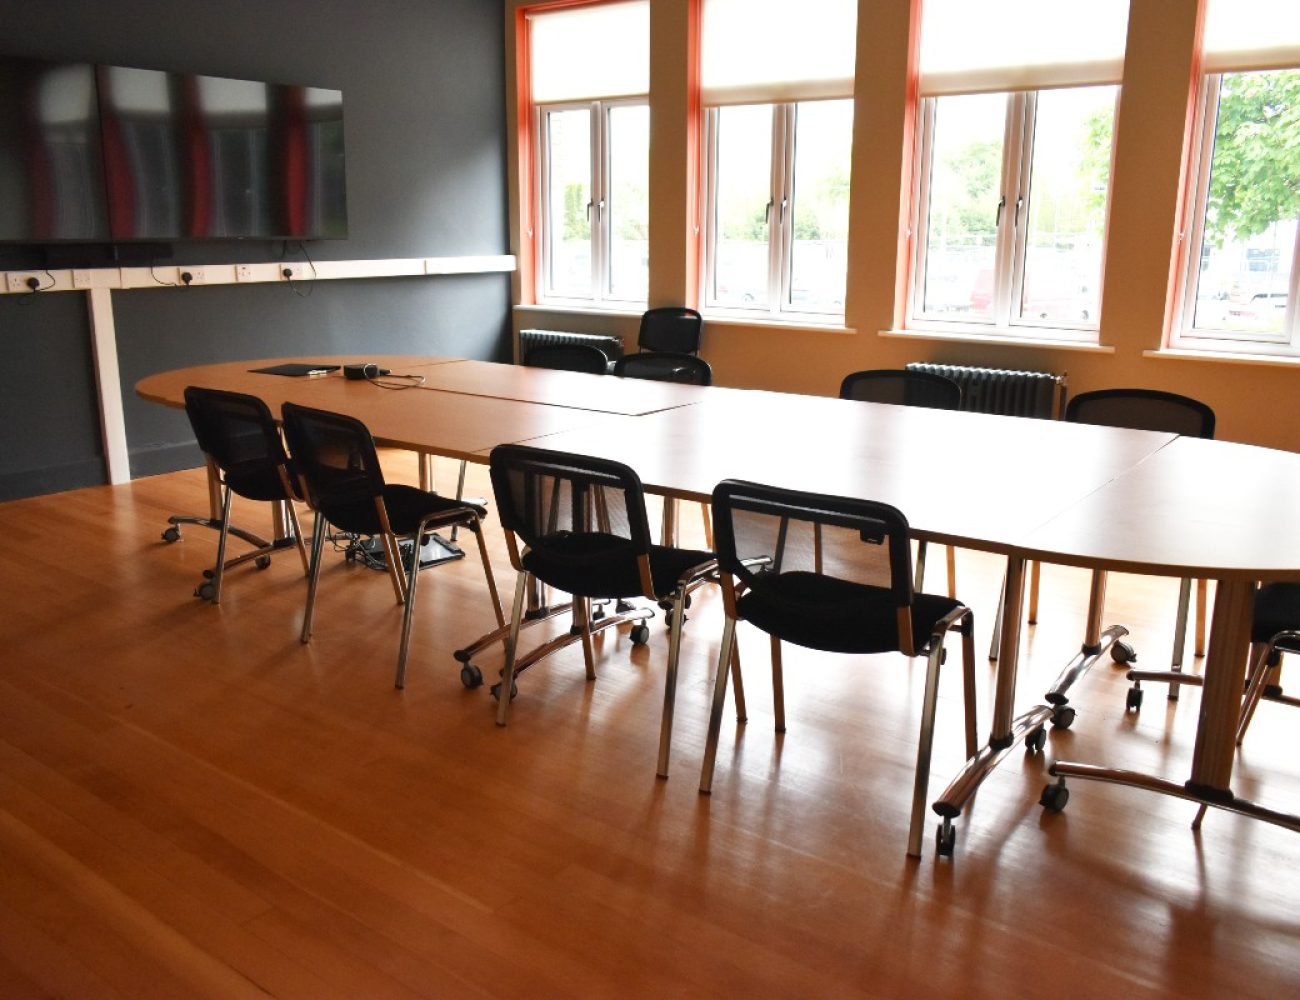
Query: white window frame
[(598, 117), (1012, 236), (1186, 336), (780, 225)]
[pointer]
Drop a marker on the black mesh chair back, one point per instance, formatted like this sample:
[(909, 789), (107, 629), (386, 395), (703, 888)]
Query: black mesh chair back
[(239, 434), (1143, 410), (902, 387), (834, 574), (665, 366), (336, 459), (569, 358), (670, 328), (245, 454)]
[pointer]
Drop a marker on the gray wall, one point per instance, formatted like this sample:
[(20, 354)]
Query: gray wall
[(424, 120)]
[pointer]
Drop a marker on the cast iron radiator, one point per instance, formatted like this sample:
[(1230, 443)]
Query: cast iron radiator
[(528, 339), (1000, 390)]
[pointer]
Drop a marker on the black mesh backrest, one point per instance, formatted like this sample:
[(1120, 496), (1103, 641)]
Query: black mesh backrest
[(665, 366), (237, 431), (548, 496), (761, 532), (568, 357), (671, 328), (1143, 410), (335, 456), (903, 387)]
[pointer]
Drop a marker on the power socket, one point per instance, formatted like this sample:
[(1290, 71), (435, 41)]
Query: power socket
[(243, 272), (192, 276), (21, 281), (83, 279)]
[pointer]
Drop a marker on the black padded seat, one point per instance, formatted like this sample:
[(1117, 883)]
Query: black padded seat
[(604, 566), (407, 506), (258, 481), (1277, 609)]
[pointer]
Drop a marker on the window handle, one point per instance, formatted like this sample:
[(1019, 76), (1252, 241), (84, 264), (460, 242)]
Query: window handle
[(600, 209), (997, 219), (767, 212), (1020, 203), (589, 204), (784, 203)]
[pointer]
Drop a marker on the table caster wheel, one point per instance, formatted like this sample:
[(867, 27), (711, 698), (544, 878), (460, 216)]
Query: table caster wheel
[(471, 676), (496, 690), (1133, 700), (172, 534), (1035, 740), (1054, 797), (1122, 653), (945, 839), (640, 634), (1063, 717), (261, 562), (205, 590)]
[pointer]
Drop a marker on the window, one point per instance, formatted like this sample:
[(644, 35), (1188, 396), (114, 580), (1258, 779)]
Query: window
[(778, 135), (1013, 167), (1240, 283), (590, 75)]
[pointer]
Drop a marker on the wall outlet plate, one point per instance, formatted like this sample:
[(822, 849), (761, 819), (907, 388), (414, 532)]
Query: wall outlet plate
[(197, 276), (83, 279), (243, 272), (19, 281)]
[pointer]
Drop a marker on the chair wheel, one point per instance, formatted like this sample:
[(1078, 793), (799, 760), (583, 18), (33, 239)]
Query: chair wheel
[(205, 590), (597, 613), (496, 690), (1054, 797), (623, 607), (945, 839), (1122, 652), (261, 562), (1035, 740), (471, 676), (172, 534), (1133, 700), (640, 634), (1063, 717)]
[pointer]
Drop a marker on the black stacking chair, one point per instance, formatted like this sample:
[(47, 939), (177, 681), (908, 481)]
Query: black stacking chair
[(578, 524), (908, 388), (244, 453), (665, 366), (569, 358), (834, 574), (675, 329), (336, 459), (1275, 629), (1151, 410)]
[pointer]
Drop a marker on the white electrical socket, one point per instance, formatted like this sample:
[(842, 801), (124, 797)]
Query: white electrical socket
[(243, 272), (83, 279), (19, 281), (197, 276)]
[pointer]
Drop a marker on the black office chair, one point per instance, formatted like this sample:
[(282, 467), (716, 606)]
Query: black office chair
[(1151, 410), (569, 358), (244, 453), (341, 478), (903, 387), (675, 329), (665, 366), (578, 524), (834, 574)]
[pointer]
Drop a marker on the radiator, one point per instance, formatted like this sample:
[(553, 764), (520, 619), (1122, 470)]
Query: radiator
[(999, 390), (528, 339)]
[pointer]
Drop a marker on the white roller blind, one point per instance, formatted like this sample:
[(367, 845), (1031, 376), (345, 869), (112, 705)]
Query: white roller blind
[(1251, 34), (777, 50), (581, 53), (978, 46)]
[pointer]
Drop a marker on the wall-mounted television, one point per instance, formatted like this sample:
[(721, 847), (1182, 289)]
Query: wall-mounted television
[(112, 154)]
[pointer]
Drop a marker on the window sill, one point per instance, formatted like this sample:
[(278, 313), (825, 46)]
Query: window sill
[(970, 335), (1224, 357), (801, 325), (581, 309)]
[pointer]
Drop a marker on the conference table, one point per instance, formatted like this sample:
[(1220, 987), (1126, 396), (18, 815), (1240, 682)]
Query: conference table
[(1100, 498)]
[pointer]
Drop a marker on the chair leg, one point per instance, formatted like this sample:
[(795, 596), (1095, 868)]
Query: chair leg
[(408, 612), (477, 528), (719, 698), (582, 619), (296, 524), (313, 577), (995, 640), (670, 680), (512, 648), (219, 573), (738, 685), (778, 685), (1180, 633), (968, 688), (393, 560), (1202, 592), (1264, 660), (925, 744)]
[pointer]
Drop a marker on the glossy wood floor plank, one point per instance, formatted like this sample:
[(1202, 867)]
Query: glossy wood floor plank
[(192, 803)]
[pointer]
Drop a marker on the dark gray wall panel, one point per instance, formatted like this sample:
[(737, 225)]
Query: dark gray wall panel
[(424, 109)]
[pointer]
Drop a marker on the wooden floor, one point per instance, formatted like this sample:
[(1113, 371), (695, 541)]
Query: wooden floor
[(194, 804)]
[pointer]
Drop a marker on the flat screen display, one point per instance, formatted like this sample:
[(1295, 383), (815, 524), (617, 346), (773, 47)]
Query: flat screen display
[(51, 169), (113, 154)]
